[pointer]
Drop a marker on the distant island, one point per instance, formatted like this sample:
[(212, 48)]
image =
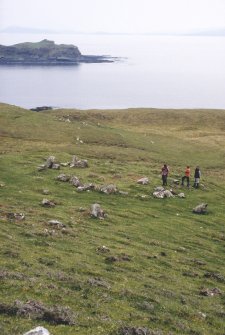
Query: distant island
[(46, 52)]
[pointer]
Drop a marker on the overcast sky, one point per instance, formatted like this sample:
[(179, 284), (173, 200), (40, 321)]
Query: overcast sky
[(131, 16)]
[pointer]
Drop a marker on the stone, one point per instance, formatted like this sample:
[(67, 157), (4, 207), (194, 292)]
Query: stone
[(103, 249), (86, 187), (181, 195), (143, 181), (96, 211), (109, 189), (45, 192), (56, 223), (78, 163), (123, 193), (163, 194), (65, 164), (38, 331), (63, 177), (138, 331), (56, 166), (200, 209), (15, 216), (47, 203), (210, 292), (159, 188), (49, 162), (75, 181)]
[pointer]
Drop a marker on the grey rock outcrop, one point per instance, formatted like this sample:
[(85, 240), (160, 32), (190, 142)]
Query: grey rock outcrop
[(163, 194), (75, 181), (47, 203)]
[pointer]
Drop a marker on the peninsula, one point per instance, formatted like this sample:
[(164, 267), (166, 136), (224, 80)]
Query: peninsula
[(46, 52)]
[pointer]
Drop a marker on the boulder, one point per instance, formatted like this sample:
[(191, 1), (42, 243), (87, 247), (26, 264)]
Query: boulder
[(78, 163), (63, 177), (200, 209), (109, 189), (163, 194), (181, 195), (143, 181), (75, 181), (38, 331), (49, 162), (97, 212), (56, 166), (159, 188)]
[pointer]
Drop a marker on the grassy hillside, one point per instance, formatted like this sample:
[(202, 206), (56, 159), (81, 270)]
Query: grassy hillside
[(161, 255)]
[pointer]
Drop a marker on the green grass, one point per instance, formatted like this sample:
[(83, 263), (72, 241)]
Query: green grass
[(170, 248)]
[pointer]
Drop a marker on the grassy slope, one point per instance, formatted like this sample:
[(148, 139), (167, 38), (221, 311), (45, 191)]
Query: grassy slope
[(159, 287)]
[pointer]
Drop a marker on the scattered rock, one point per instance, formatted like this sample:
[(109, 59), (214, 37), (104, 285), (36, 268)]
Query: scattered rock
[(56, 223), (210, 292), (181, 195), (159, 188), (109, 189), (78, 163), (200, 209), (143, 181), (97, 212), (47, 203), (214, 275), (38, 331), (49, 162), (103, 249), (75, 181), (63, 177), (15, 216), (65, 164), (86, 187), (111, 259), (163, 194), (176, 181)]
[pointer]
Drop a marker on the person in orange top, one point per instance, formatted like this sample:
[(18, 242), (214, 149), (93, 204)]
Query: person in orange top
[(186, 176)]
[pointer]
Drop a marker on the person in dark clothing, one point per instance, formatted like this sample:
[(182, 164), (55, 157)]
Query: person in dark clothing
[(165, 172), (197, 177)]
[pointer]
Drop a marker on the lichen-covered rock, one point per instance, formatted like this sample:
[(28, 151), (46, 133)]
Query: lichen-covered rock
[(49, 162), (79, 163), (109, 189), (97, 212), (75, 181), (200, 209), (63, 177)]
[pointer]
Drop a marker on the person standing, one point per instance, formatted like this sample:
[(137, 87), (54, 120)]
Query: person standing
[(165, 172), (186, 176), (197, 177)]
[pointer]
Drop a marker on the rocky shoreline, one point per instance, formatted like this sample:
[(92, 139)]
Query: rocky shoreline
[(47, 53)]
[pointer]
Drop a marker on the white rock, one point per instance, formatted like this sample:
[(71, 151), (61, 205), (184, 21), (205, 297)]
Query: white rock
[(143, 181), (38, 331)]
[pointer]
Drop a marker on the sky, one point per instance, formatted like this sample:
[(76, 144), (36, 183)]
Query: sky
[(119, 16)]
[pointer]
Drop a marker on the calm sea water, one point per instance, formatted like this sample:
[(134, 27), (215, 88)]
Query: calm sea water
[(166, 72)]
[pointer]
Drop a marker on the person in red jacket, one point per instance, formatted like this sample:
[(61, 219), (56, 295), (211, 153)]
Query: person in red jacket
[(186, 176), (164, 172)]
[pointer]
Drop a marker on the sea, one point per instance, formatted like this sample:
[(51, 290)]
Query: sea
[(151, 71)]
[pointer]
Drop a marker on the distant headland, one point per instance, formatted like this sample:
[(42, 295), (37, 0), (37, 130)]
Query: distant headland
[(46, 52)]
